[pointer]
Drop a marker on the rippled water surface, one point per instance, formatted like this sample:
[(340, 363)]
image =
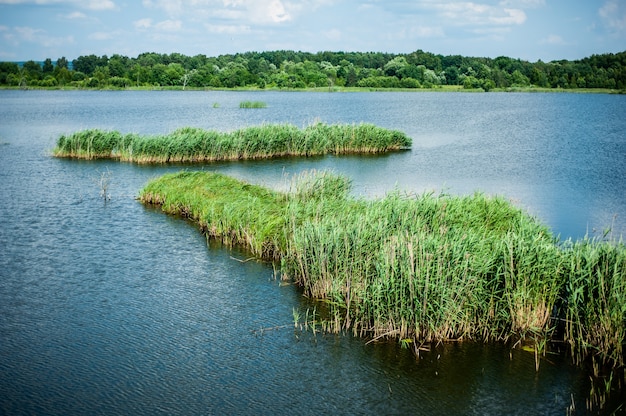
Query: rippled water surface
[(114, 308)]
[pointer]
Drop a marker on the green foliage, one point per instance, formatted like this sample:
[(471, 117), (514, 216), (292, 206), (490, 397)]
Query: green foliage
[(232, 211), (252, 104), (194, 144), (296, 70), (379, 82), (595, 300), (420, 268)]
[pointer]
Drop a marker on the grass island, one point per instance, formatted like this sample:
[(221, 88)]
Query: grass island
[(419, 269), (190, 144)]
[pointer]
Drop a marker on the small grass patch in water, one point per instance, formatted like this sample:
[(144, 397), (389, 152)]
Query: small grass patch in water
[(252, 104)]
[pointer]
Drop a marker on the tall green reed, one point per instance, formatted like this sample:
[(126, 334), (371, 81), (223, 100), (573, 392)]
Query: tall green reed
[(595, 299), (190, 144), (422, 267), (252, 104)]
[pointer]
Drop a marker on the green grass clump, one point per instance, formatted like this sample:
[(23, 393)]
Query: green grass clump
[(191, 144), (229, 210), (252, 104), (89, 144), (595, 301), (427, 267)]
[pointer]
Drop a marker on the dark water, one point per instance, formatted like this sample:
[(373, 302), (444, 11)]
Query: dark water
[(113, 308)]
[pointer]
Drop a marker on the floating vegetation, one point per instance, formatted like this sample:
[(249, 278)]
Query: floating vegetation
[(424, 268), (252, 104), (191, 144)]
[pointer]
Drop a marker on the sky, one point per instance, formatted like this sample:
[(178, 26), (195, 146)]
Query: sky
[(531, 30)]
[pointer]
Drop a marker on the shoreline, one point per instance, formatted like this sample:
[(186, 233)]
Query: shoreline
[(442, 89)]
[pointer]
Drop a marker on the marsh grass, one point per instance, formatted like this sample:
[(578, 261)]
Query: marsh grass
[(191, 144), (423, 268), (252, 104), (595, 299), (226, 209)]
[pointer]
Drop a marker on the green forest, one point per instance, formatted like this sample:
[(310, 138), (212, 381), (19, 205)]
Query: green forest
[(300, 70)]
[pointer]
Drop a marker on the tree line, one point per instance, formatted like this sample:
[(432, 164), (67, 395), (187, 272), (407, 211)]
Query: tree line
[(294, 70)]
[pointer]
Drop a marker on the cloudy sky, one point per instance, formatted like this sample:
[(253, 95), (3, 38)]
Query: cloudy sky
[(526, 29)]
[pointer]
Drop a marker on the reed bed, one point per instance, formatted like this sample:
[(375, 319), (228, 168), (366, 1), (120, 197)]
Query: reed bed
[(252, 104), (226, 209), (190, 144), (595, 301), (420, 267)]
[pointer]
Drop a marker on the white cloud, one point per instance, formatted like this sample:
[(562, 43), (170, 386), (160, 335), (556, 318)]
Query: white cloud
[(613, 13), (524, 4), (98, 4), (469, 13), (101, 36), (262, 11), (228, 29), (50, 42), (163, 26), (90, 5), (38, 36), (428, 32), (28, 33), (332, 34), (302, 7), (143, 24), (248, 11), (7, 56), (75, 16), (227, 14), (553, 40), (511, 17), (498, 31), (171, 7), (169, 25)]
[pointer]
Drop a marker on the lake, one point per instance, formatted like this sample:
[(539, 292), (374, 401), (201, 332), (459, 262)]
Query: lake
[(110, 307)]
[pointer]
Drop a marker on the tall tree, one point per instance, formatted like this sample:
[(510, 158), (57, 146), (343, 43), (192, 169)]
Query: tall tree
[(48, 68), (62, 62), (33, 70)]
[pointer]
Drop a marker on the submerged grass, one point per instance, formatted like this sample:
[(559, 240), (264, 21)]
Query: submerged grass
[(190, 144), (421, 268), (252, 104)]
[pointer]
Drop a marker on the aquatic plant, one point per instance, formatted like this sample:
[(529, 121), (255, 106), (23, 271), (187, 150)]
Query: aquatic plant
[(419, 267), (252, 104), (88, 144), (232, 211), (190, 144), (595, 301), (431, 267), (104, 183)]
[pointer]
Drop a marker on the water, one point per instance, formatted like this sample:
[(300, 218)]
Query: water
[(114, 308)]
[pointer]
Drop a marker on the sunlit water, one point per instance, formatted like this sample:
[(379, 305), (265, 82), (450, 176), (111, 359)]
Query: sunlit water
[(114, 308)]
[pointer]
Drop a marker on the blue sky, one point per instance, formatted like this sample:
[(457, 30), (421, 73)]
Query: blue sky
[(525, 29)]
